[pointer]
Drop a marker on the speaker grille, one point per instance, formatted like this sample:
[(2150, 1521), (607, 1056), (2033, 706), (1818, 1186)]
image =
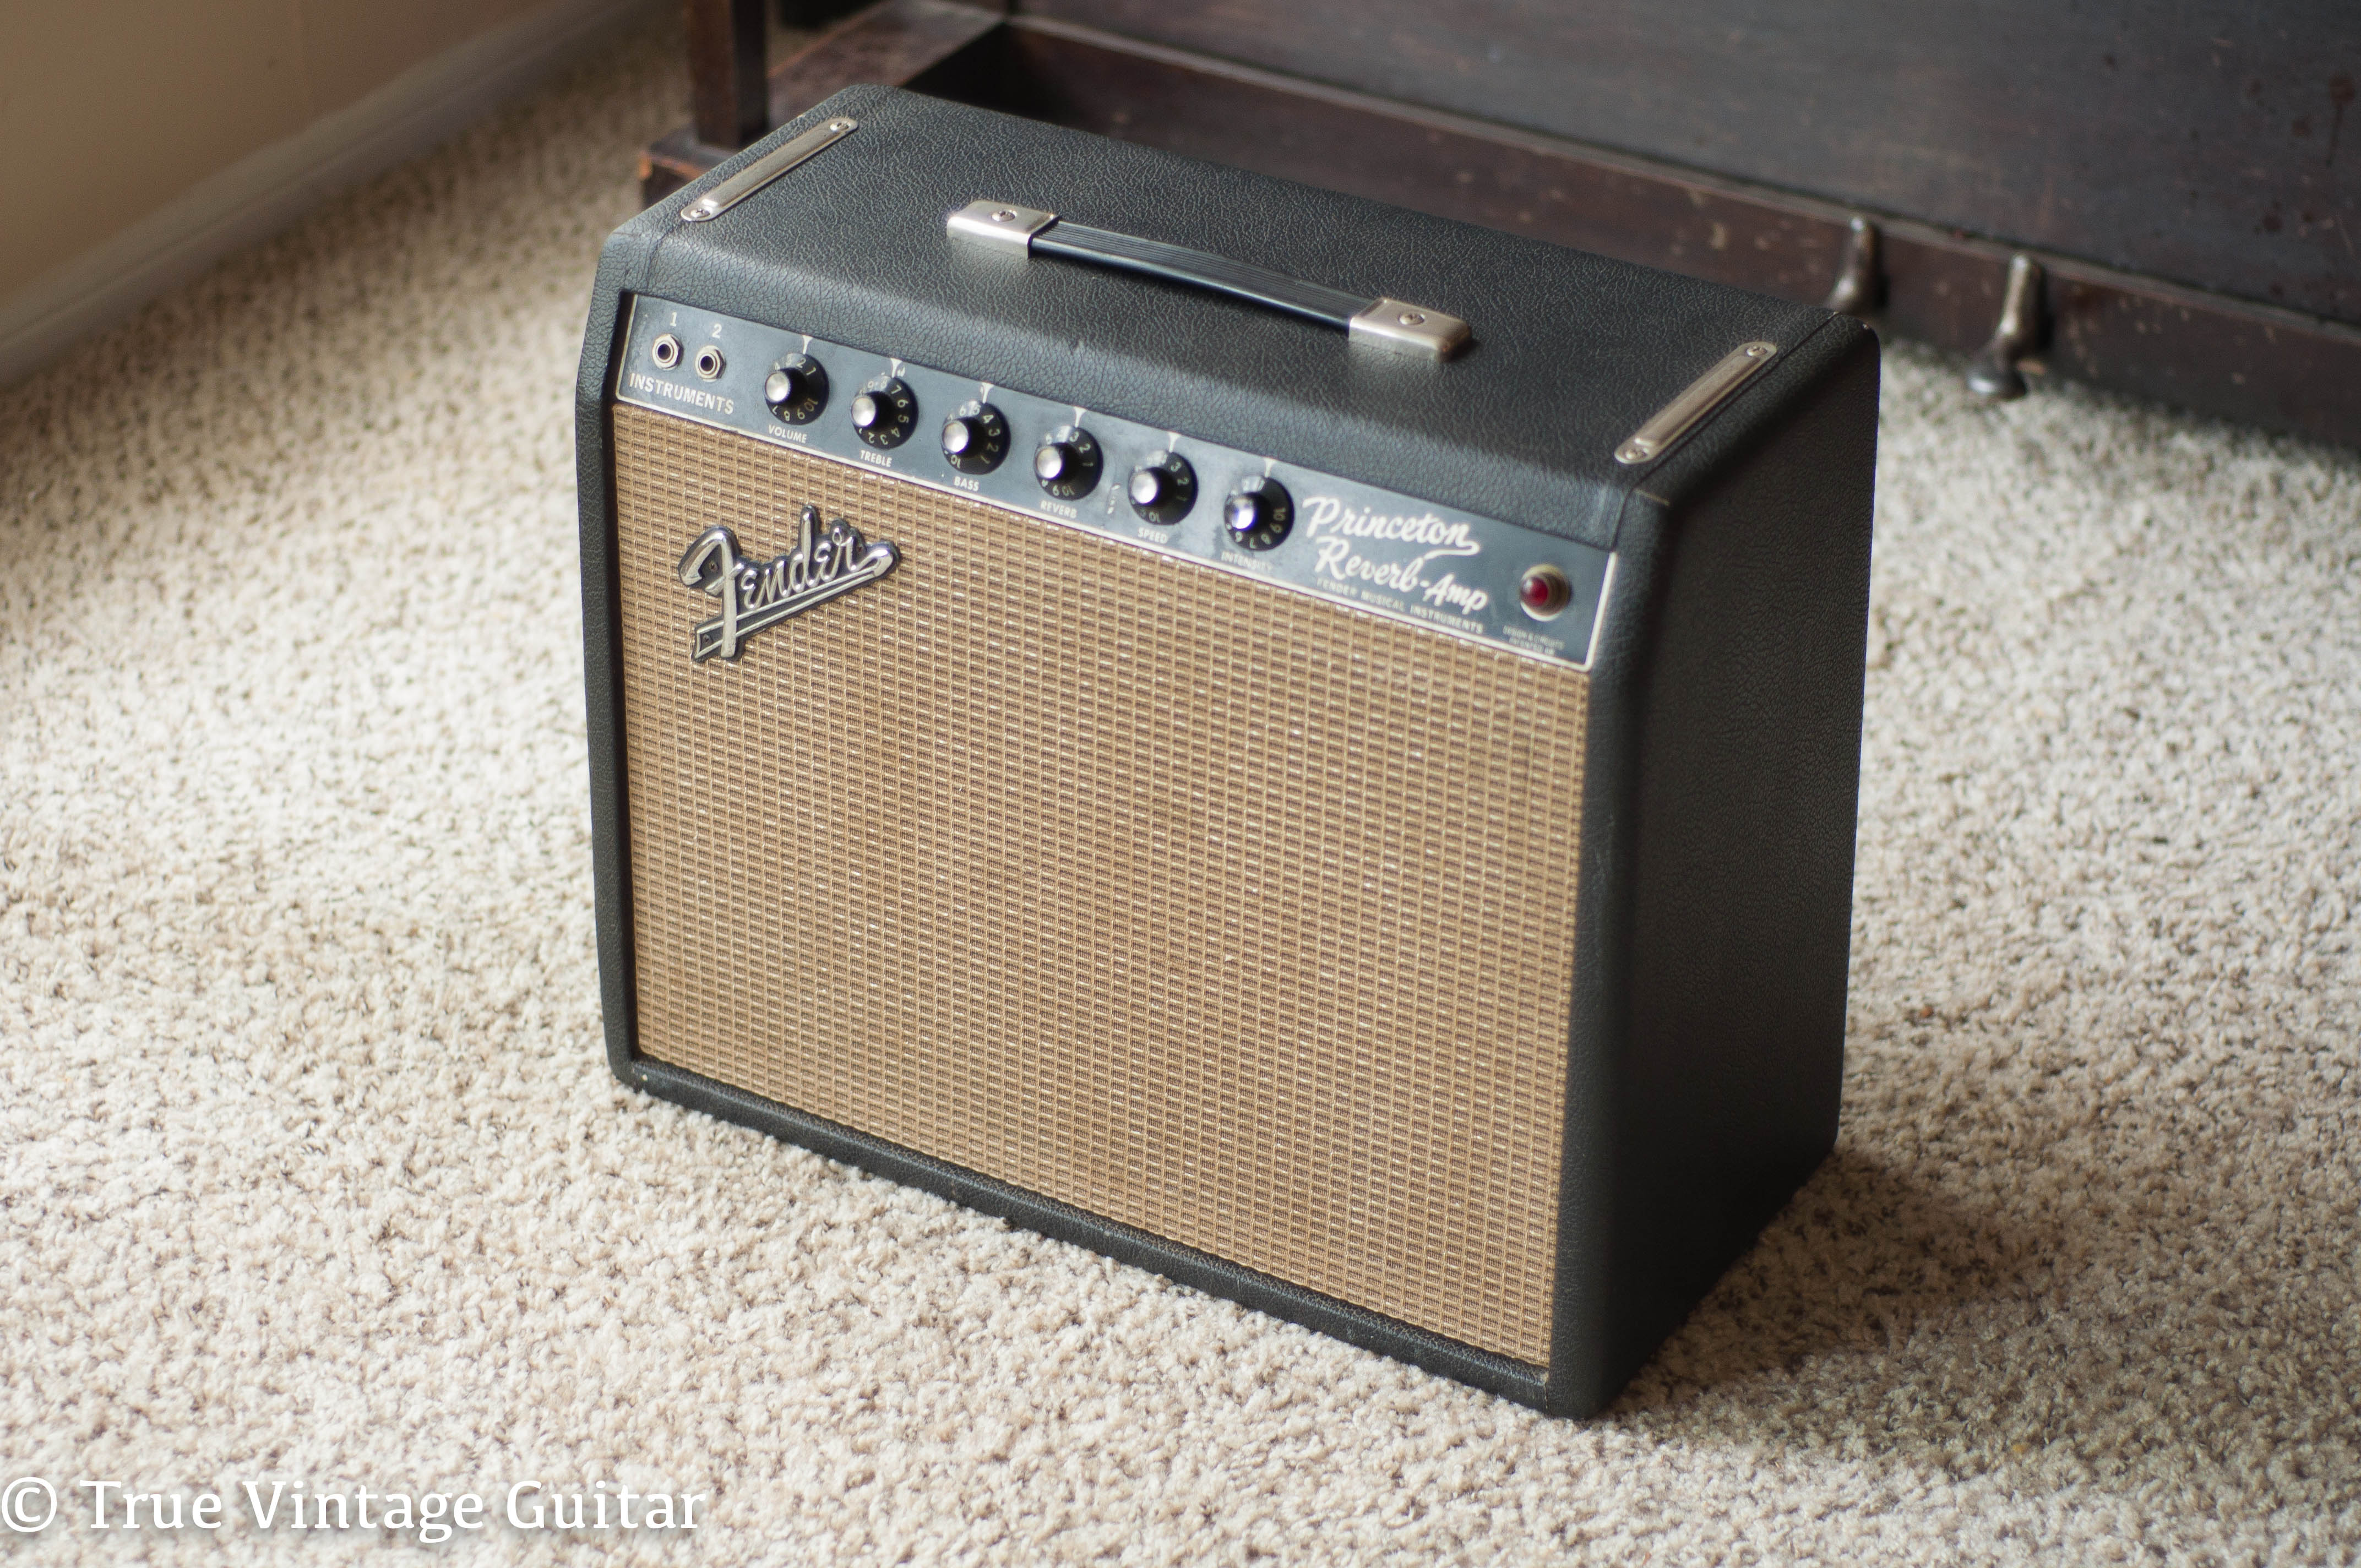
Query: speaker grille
[(1222, 911)]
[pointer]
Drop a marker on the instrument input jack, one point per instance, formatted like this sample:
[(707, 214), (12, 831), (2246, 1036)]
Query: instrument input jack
[(709, 363), (665, 351)]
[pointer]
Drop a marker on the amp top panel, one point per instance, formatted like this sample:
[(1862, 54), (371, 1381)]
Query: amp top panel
[(1250, 513)]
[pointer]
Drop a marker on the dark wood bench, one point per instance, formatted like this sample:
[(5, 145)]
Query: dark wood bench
[(2183, 214)]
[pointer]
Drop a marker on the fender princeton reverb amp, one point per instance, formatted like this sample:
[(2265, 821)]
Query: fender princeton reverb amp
[(1307, 747)]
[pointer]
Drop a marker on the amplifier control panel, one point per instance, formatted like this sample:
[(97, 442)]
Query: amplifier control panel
[(1245, 513)]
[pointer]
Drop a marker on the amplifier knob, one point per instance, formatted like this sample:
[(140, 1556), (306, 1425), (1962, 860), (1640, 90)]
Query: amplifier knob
[(1259, 513), (797, 388), (975, 439), (1163, 491), (886, 411), (1067, 463)]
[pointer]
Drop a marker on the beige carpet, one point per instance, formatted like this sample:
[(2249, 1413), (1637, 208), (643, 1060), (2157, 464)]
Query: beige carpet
[(310, 1168)]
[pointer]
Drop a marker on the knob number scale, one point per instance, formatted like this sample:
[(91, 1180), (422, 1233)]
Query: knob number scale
[(1529, 592), (796, 389), (885, 412), (976, 438), (1067, 463), (1163, 488)]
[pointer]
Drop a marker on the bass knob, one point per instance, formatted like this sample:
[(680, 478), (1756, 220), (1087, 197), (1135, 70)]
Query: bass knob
[(975, 439)]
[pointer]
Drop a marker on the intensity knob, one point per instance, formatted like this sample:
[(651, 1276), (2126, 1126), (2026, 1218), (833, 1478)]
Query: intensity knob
[(1258, 514), (885, 412), (975, 439), (1163, 491), (797, 388), (1067, 463)]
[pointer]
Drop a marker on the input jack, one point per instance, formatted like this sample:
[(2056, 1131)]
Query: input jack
[(665, 351), (708, 362)]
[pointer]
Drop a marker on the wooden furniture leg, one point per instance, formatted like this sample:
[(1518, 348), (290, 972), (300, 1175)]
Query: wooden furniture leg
[(728, 75)]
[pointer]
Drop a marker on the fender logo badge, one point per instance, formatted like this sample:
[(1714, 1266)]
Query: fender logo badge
[(820, 566)]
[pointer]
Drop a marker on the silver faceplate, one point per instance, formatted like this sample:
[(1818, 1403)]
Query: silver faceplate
[(1374, 549)]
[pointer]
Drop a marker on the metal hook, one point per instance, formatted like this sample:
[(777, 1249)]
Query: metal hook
[(1861, 276), (1993, 373)]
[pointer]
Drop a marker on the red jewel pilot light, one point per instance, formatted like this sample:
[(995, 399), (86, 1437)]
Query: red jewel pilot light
[(1543, 592)]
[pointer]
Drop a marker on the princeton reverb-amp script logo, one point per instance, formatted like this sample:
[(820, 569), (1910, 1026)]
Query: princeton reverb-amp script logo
[(758, 594)]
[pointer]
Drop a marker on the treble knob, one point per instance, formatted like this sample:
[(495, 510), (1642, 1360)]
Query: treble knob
[(1067, 463), (975, 439), (1258, 514), (797, 388), (1164, 489), (886, 411)]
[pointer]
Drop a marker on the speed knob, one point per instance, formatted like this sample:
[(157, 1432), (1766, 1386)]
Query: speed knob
[(1258, 513), (885, 412), (1163, 491), (797, 388), (975, 439), (1067, 463)]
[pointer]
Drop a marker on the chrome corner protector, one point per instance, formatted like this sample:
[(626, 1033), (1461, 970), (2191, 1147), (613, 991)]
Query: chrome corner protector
[(767, 168), (1698, 399), (1003, 225), (1408, 329)]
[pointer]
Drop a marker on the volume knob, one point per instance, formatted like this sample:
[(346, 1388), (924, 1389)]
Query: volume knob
[(885, 412), (1067, 463), (1258, 513), (797, 388)]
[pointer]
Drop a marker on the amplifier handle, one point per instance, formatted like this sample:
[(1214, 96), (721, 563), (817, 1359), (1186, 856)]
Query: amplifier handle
[(1379, 322)]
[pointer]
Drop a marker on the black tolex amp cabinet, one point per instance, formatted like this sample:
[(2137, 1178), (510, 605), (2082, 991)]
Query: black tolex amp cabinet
[(1307, 747)]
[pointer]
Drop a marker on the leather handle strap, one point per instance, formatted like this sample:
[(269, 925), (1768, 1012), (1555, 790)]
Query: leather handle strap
[(1179, 264), (1379, 322)]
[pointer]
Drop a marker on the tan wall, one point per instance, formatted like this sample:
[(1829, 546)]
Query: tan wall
[(111, 108)]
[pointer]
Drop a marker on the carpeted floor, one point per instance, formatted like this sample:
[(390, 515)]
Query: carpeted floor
[(310, 1168)]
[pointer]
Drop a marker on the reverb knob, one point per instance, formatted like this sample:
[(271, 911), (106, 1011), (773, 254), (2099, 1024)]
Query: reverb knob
[(975, 439), (1067, 463), (1258, 513), (797, 388), (1163, 488), (885, 412)]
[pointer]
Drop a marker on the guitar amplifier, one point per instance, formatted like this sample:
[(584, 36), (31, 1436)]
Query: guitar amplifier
[(1310, 748)]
